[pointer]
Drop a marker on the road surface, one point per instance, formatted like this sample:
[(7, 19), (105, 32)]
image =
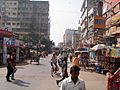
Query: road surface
[(37, 77)]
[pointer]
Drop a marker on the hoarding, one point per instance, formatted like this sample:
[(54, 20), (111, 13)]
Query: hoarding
[(9, 42), (6, 33), (99, 22), (113, 20)]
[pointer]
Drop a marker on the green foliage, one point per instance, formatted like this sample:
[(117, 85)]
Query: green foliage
[(35, 38)]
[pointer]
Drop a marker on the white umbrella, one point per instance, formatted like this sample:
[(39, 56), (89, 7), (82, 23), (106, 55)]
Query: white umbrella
[(98, 47)]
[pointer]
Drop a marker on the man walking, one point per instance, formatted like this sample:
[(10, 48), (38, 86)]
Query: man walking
[(73, 82), (13, 57), (10, 67)]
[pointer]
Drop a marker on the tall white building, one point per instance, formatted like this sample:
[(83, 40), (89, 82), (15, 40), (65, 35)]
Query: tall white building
[(70, 38)]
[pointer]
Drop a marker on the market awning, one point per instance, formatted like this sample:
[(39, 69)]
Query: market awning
[(98, 47)]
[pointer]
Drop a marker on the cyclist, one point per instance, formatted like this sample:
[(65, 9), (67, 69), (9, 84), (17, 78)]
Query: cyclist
[(60, 59), (53, 62)]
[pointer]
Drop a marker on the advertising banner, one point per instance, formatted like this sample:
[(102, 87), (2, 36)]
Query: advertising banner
[(99, 22), (6, 33), (114, 52), (113, 21), (118, 51), (10, 42)]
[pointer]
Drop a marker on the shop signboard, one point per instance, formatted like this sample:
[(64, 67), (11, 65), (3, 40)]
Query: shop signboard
[(118, 50), (10, 42), (99, 22), (114, 52), (113, 20), (6, 33)]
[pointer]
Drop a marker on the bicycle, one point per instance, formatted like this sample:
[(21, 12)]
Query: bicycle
[(54, 69)]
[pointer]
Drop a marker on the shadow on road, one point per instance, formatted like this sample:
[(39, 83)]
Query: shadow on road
[(21, 83), (38, 64), (20, 68), (22, 63)]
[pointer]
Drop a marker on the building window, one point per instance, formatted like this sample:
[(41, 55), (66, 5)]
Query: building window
[(14, 13), (8, 13), (18, 23), (10, 3), (8, 23), (3, 3), (19, 13), (15, 3), (3, 23), (14, 8), (13, 23)]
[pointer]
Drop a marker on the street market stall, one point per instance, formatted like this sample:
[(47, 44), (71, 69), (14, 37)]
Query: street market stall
[(106, 57)]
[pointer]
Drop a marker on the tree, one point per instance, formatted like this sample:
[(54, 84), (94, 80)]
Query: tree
[(36, 39)]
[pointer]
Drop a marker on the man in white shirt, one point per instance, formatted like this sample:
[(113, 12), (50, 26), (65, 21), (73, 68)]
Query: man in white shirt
[(73, 82)]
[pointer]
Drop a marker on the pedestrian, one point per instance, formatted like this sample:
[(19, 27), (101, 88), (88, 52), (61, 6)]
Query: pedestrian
[(76, 60), (60, 59), (64, 72), (70, 56), (73, 82), (64, 58), (111, 77), (13, 57), (84, 59), (10, 67)]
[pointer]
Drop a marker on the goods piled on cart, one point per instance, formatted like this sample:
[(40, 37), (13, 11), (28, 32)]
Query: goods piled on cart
[(105, 57)]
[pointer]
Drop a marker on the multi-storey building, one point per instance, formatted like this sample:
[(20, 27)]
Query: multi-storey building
[(25, 16), (61, 45), (91, 21), (100, 22), (71, 38), (111, 10), (10, 9), (86, 6)]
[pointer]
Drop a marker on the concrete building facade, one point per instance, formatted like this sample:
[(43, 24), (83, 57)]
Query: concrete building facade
[(111, 10), (91, 13), (25, 16), (71, 38)]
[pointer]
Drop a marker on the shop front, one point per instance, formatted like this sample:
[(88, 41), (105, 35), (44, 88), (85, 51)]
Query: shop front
[(113, 29), (10, 45), (3, 33)]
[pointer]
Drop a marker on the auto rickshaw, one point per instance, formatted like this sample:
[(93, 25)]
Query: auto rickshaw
[(84, 59)]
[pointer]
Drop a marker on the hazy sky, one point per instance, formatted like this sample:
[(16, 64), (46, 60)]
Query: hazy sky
[(64, 14)]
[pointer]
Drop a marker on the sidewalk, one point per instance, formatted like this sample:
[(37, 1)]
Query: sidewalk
[(93, 80)]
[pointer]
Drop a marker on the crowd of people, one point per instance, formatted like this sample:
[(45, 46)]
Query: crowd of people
[(78, 60), (72, 82), (68, 82)]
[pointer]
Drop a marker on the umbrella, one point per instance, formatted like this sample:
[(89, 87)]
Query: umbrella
[(98, 47), (84, 51), (77, 51)]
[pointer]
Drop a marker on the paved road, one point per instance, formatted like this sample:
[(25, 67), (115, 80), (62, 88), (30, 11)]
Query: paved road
[(37, 77)]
